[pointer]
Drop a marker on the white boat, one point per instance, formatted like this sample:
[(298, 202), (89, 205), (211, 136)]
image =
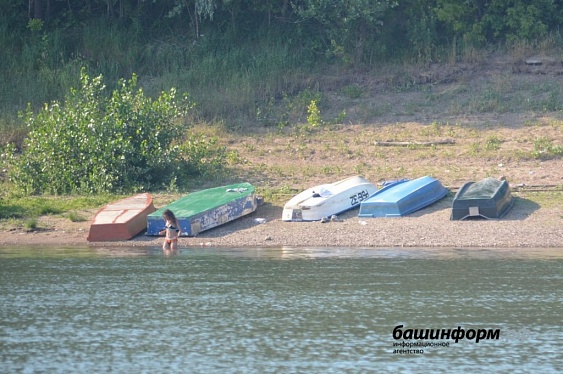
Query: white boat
[(326, 200)]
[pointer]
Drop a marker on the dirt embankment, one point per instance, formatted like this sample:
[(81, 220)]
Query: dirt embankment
[(462, 123)]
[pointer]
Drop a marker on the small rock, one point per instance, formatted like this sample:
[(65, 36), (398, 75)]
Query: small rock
[(268, 238)]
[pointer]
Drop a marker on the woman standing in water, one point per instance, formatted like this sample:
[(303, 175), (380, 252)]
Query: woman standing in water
[(172, 231)]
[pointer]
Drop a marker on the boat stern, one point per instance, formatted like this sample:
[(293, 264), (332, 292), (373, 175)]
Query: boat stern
[(292, 214), (488, 198)]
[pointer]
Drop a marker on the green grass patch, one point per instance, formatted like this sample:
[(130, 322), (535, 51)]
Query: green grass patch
[(545, 199), (493, 143), (353, 91), (34, 206), (75, 217), (544, 148), (31, 224)]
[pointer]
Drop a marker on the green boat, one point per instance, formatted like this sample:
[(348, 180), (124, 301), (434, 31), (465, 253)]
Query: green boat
[(489, 198), (206, 209)]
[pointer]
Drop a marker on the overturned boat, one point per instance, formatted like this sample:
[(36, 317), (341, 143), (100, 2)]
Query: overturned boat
[(326, 200), (206, 209), (489, 198), (403, 197), (122, 219)]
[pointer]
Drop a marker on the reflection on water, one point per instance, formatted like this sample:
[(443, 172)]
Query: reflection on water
[(424, 253), (277, 309)]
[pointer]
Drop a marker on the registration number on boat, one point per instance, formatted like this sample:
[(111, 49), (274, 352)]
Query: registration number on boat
[(358, 197)]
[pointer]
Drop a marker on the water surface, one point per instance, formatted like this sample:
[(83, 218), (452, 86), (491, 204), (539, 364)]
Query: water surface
[(280, 310)]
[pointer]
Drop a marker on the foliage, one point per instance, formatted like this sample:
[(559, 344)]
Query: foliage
[(493, 143), (31, 224), (344, 23), (202, 155), (239, 58), (314, 119), (75, 217), (345, 28), (491, 21), (545, 149), (93, 143)]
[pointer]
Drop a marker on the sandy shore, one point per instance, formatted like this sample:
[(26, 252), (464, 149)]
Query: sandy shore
[(526, 225)]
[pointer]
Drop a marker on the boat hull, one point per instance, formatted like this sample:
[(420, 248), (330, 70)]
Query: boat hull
[(402, 198), (489, 198), (206, 209), (121, 220), (327, 200)]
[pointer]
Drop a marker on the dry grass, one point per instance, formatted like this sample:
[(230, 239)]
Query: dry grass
[(332, 153), (495, 112)]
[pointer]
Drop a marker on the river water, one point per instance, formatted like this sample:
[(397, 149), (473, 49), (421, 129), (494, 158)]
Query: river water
[(280, 310)]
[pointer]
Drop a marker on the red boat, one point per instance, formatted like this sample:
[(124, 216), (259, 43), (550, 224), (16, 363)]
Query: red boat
[(121, 220)]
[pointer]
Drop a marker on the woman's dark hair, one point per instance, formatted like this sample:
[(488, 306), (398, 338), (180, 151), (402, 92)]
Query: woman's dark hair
[(168, 214)]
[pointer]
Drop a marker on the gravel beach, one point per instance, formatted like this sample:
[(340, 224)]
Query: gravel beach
[(526, 225)]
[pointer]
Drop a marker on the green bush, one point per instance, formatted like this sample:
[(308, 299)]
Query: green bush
[(96, 143), (202, 155)]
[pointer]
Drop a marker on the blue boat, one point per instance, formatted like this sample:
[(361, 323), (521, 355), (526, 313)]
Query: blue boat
[(403, 197), (489, 198)]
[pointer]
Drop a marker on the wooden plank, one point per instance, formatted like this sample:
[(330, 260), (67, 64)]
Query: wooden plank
[(406, 144)]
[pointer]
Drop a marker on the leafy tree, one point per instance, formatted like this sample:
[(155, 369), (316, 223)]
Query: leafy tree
[(514, 20), (490, 21), (414, 23), (197, 9), (345, 22), (94, 143)]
